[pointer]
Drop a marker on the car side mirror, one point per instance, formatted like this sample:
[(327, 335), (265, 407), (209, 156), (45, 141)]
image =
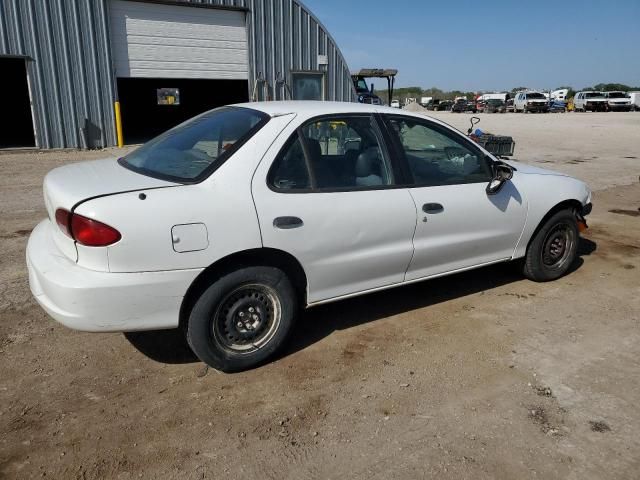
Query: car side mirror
[(501, 174)]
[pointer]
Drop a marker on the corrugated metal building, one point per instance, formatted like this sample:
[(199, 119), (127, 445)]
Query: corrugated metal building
[(64, 64)]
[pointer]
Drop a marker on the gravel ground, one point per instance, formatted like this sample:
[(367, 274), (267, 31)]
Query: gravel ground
[(478, 375)]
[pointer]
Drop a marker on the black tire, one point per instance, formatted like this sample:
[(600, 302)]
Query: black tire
[(553, 249), (246, 307)]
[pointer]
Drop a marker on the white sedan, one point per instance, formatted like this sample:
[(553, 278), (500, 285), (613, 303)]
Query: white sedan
[(229, 223)]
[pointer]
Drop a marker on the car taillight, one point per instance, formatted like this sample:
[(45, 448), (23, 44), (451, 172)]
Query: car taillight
[(63, 219), (86, 231)]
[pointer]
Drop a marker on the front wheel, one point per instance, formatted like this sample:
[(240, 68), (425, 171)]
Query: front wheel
[(553, 249), (243, 318)]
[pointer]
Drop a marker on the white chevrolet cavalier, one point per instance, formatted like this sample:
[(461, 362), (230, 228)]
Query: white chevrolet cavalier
[(228, 223)]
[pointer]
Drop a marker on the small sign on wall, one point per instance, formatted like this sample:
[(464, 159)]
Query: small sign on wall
[(168, 96)]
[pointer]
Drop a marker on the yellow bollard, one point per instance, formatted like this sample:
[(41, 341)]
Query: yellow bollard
[(116, 106)]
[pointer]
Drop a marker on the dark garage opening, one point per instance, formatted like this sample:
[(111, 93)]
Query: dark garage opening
[(150, 106), (16, 105)]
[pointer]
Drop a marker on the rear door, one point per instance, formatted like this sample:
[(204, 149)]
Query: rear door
[(328, 194), (459, 226)]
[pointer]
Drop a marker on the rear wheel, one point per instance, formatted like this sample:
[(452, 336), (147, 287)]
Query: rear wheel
[(242, 319), (553, 249)]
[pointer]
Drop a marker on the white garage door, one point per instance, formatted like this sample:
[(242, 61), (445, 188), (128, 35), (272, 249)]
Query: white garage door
[(166, 41)]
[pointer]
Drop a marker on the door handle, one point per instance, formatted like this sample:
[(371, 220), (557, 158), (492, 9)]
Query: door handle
[(287, 223), (432, 208)]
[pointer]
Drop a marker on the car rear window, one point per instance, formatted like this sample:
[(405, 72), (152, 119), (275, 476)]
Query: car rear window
[(193, 150)]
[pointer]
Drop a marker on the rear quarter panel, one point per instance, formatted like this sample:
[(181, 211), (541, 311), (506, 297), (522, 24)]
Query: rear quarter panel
[(223, 203)]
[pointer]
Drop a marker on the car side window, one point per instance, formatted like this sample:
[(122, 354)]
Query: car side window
[(289, 171), (341, 152), (436, 157)]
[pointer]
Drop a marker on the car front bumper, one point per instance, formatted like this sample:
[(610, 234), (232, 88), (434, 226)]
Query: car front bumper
[(620, 107), (537, 108), (596, 107), (93, 301)]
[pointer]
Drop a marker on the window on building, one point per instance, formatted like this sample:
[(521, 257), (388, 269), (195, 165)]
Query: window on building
[(307, 85)]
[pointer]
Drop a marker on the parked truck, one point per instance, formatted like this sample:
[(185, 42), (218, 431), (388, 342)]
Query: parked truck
[(366, 94), (424, 101)]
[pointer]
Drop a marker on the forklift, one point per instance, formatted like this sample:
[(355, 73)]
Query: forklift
[(365, 94)]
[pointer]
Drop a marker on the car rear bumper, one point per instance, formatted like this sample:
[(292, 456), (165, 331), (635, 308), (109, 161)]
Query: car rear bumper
[(93, 301)]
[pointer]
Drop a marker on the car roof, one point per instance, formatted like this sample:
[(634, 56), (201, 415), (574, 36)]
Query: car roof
[(306, 109), (316, 108)]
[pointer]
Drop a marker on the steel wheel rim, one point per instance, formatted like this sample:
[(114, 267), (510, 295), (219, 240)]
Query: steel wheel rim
[(557, 246), (247, 318)]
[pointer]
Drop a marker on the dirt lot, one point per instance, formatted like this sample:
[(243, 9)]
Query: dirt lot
[(479, 375)]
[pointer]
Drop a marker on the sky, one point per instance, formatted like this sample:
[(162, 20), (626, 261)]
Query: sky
[(489, 45)]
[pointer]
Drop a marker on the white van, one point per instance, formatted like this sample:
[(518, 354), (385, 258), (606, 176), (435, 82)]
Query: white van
[(618, 101), (530, 102), (594, 101)]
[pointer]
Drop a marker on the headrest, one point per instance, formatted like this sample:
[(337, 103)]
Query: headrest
[(364, 164), (315, 151)]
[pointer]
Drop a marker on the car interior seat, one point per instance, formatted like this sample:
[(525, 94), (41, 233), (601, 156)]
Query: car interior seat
[(368, 169)]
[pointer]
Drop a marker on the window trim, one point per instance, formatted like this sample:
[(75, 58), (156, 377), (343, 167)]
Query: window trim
[(320, 73), (221, 160), (397, 173), (447, 132)]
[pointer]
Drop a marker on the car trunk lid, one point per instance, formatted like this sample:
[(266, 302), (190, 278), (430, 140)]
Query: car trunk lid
[(68, 186)]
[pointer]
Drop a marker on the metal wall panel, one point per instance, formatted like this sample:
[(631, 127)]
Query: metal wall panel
[(70, 66), (166, 41)]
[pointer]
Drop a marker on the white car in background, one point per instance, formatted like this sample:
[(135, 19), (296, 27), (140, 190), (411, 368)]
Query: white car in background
[(228, 223), (395, 104), (618, 101), (585, 101), (530, 102)]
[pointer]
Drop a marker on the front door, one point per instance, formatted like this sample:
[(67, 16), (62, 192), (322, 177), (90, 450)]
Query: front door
[(459, 225), (327, 194)]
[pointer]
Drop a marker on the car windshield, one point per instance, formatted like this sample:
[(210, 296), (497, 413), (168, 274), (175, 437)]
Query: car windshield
[(495, 101), (535, 96), (592, 95), (195, 148), (617, 95)]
